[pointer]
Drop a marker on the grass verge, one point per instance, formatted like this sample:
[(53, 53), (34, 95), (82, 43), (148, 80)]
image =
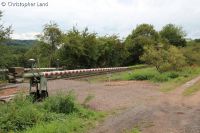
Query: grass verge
[(192, 90), (185, 75), (60, 113), (167, 80)]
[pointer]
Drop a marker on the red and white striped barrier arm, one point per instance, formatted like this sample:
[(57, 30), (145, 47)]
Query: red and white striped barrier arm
[(78, 71)]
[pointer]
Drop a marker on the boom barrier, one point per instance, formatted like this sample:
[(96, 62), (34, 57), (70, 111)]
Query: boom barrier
[(73, 72), (39, 80)]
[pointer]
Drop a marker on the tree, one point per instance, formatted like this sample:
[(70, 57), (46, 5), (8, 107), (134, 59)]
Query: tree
[(6, 57), (164, 58), (72, 49), (82, 49), (91, 51), (192, 53), (40, 52), (52, 36), (112, 52), (174, 35), (145, 30), (197, 40), (4, 32), (140, 37)]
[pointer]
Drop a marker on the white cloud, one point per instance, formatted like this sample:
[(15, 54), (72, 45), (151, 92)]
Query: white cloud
[(105, 16), (25, 36)]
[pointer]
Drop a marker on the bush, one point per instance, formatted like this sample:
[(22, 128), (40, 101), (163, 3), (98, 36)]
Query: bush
[(173, 75), (165, 58), (160, 78), (153, 75), (143, 74), (61, 103), (21, 114), (192, 53), (142, 77), (166, 76)]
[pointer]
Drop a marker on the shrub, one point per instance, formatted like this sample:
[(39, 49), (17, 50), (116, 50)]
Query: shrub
[(160, 78), (19, 115), (192, 53), (165, 58), (61, 103), (153, 75), (142, 77), (58, 113), (173, 75), (143, 74)]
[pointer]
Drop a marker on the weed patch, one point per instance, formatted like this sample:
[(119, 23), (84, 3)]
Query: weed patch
[(60, 113)]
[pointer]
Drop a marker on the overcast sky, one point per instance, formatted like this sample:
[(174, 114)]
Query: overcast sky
[(102, 16)]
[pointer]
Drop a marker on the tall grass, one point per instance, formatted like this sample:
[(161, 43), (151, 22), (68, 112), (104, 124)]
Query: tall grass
[(61, 104), (60, 113), (146, 74), (153, 75)]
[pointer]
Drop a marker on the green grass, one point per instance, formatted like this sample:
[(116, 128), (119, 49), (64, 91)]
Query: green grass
[(73, 123), (135, 130), (192, 90), (167, 80), (172, 84), (57, 114), (185, 75), (140, 74), (138, 66)]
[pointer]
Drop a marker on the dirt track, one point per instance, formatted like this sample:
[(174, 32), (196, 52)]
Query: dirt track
[(108, 96), (137, 104)]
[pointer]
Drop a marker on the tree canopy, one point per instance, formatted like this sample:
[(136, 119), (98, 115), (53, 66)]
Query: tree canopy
[(4, 31), (141, 36), (52, 36), (166, 58), (174, 35)]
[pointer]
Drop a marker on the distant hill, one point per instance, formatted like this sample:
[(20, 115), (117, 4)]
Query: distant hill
[(197, 40), (24, 43)]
